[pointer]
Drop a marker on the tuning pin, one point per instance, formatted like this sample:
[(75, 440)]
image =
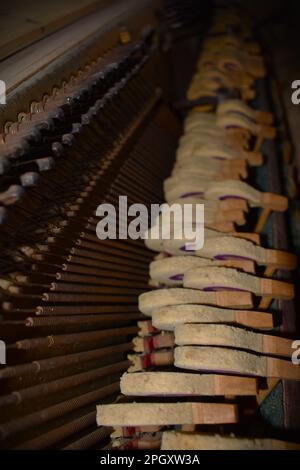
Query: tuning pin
[(3, 215), (57, 147), (14, 150), (4, 165), (12, 195), (29, 179), (40, 164)]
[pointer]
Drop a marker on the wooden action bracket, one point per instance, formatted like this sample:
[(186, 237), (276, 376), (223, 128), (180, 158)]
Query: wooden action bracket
[(270, 202), (265, 302)]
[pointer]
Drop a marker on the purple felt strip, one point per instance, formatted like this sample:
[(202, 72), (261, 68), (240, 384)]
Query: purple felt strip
[(192, 194), (228, 257), (217, 288), (231, 196), (176, 277)]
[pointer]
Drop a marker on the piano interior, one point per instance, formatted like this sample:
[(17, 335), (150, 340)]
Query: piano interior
[(142, 339)]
